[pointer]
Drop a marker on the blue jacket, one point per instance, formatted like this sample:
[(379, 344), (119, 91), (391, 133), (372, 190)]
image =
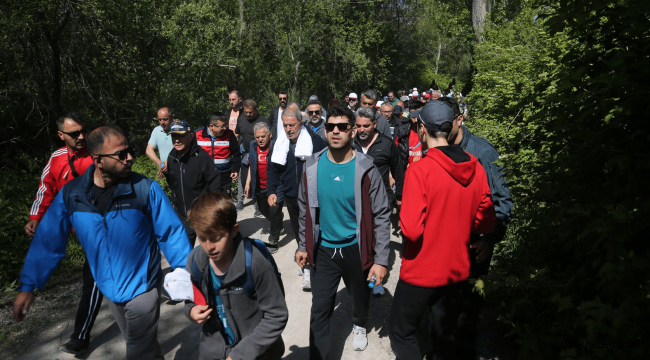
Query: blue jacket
[(253, 156), (122, 248), (486, 155), (283, 180)]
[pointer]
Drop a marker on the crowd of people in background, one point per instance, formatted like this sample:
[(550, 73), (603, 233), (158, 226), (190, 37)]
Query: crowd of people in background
[(350, 173)]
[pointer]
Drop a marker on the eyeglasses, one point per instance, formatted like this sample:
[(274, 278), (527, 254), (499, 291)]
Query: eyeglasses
[(75, 134), (329, 127), (316, 112), (283, 98), (122, 154)]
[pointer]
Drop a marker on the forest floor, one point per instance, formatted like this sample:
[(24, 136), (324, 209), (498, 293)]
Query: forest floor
[(51, 318)]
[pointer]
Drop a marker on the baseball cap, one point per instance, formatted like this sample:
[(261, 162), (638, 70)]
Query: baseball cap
[(404, 98), (378, 104), (179, 127), (352, 95), (397, 110), (313, 98), (427, 95), (414, 113), (434, 114), (415, 93)]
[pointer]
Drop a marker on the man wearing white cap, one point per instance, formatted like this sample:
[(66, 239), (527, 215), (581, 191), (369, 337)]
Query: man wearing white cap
[(352, 101)]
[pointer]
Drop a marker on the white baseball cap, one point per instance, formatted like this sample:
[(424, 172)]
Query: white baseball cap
[(352, 95)]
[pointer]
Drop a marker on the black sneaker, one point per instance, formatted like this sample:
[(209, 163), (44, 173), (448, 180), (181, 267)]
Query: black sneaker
[(75, 346), (258, 214), (272, 249)]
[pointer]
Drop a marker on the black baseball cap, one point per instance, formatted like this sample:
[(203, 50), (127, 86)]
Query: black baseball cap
[(434, 114)]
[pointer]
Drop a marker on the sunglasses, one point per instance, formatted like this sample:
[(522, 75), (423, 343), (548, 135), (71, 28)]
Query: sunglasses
[(283, 98), (122, 154), (317, 112), (341, 126), (75, 134)]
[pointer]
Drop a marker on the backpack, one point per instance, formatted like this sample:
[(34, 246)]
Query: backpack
[(249, 285)]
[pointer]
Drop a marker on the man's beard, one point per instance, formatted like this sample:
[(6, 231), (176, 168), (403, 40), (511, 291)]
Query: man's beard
[(315, 121), (363, 135), (283, 104)]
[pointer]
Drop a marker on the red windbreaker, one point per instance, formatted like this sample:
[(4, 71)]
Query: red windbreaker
[(57, 173), (443, 201)]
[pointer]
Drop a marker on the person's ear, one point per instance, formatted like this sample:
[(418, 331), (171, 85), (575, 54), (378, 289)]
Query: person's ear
[(60, 135)]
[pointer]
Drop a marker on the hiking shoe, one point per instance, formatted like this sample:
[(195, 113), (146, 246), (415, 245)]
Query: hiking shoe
[(360, 340), (378, 290), (272, 249), (258, 214), (239, 206), (306, 280), (75, 346)]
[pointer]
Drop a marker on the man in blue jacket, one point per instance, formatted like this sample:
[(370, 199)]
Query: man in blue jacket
[(123, 220), (481, 246)]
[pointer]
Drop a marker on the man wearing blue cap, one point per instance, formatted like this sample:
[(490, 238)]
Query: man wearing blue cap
[(448, 199), (191, 172)]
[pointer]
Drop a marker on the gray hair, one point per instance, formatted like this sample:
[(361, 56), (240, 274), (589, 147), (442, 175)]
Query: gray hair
[(370, 94), (365, 112), (292, 113), (387, 103), (262, 125), (248, 103)]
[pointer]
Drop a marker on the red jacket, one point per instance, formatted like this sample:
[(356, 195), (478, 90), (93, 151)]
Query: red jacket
[(57, 173), (224, 150), (443, 201)]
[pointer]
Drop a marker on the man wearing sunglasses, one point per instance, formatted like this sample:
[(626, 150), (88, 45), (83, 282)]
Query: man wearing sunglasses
[(191, 173), (161, 139), (65, 164), (344, 230), (276, 112), (316, 119), (123, 220)]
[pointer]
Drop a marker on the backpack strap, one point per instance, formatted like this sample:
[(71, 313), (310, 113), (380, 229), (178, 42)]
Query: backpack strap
[(249, 286), (195, 270)]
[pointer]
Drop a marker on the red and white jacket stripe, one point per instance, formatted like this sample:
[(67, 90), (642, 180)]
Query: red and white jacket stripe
[(57, 173)]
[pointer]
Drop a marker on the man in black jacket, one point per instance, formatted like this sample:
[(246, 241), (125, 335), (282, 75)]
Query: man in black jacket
[(275, 118), (190, 172)]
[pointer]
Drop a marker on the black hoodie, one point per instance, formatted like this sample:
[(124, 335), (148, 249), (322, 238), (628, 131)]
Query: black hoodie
[(189, 176)]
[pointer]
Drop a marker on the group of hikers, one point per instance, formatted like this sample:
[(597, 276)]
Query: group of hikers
[(346, 171)]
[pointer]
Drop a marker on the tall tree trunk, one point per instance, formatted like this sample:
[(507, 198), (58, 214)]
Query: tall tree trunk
[(438, 57), (241, 19), (479, 9)]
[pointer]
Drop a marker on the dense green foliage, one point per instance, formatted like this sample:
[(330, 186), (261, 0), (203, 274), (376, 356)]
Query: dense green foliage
[(561, 90), (559, 87)]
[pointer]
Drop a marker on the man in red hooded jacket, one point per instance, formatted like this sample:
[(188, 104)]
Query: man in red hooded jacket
[(448, 198)]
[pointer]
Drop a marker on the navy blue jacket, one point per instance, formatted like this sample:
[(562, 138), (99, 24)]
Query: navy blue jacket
[(486, 155), (122, 247), (253, 156), (284, 180)]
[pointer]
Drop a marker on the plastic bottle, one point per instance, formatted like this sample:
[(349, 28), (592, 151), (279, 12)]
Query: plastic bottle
[(371, 283)]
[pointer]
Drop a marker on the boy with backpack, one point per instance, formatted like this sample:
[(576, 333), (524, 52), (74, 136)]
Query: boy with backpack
[(244, 312)]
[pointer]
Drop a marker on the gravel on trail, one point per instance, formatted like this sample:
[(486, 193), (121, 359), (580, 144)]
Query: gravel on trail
[(51, 317)]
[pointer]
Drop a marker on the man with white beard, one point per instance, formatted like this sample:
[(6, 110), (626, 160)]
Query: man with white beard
[(316, 119)]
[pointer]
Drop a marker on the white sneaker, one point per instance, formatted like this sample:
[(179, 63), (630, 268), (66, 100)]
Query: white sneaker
[(360, 340), (306, 280)]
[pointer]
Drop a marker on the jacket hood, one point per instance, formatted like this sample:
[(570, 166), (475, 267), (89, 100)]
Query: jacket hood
[(463, 172)]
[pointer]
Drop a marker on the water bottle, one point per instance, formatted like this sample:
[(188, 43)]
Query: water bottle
[(371, 283)]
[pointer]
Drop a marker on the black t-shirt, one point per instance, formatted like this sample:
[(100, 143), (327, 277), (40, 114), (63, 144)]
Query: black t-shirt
[(245, 130), (102, 197)]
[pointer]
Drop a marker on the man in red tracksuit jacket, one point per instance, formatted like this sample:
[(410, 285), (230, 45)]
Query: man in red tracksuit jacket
[(448, 198), (222, 146), (65, 164)]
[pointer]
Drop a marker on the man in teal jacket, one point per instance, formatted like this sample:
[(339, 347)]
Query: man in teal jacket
[(122, 220)]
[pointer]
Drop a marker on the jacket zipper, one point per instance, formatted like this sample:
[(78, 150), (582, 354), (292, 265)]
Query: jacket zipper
[(182, 187)]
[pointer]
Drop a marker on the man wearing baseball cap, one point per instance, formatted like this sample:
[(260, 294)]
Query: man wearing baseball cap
[(190, 172), (352, 101), (437, 219)]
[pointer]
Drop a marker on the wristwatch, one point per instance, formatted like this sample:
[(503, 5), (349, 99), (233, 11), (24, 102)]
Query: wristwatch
[(162, 164)]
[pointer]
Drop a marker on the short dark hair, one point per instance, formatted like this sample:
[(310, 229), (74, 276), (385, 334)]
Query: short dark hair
[(453, 104), (212, 212), (314, 102), (250, 103), (415, 105), (95, 141), (390, 91), (340, 110), (217, 116), (282, 92), (333, 102), (74, 116)]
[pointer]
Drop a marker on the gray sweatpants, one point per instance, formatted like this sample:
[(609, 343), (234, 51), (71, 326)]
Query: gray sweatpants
[(138, 322)]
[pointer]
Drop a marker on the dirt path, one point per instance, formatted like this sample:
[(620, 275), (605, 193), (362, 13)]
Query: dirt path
[(51, 318)]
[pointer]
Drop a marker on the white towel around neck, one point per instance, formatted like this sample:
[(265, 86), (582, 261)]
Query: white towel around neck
[(304, 147)]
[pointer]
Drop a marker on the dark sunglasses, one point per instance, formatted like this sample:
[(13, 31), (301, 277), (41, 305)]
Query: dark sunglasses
[(283, 98), (317, 112), (75, 134), (122, 154), (341, 126)]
